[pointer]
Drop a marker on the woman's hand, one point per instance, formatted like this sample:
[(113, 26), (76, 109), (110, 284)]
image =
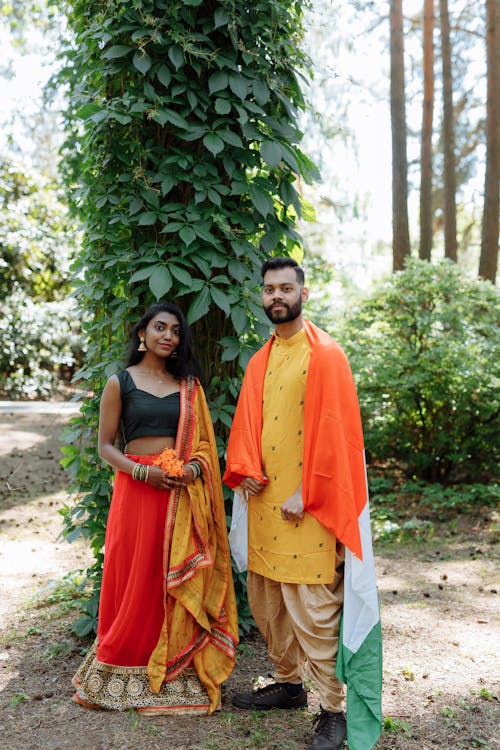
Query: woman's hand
[(162, 481), (158, 478)]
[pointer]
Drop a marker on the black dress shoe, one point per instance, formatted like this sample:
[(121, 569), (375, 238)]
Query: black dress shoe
[(330, 731), (274, 695)]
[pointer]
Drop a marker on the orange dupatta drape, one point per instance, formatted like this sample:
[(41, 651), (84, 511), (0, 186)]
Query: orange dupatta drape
[(334, 479)]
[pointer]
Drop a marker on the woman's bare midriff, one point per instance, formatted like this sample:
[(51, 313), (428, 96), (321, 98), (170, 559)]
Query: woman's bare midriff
[(148, 446)]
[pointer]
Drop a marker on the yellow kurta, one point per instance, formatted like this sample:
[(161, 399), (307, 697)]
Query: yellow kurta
[(289, 551)]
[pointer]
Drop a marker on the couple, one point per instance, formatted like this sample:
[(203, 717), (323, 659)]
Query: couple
[(168, 630)]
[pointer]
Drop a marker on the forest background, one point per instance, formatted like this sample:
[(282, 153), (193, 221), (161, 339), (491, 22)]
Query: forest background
[(398, 233), (376, 102)]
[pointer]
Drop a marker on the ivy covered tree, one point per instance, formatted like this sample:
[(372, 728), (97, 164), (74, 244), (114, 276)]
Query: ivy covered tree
[(183, 157)]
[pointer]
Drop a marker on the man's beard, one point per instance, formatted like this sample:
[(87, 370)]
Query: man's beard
[(289, 313)]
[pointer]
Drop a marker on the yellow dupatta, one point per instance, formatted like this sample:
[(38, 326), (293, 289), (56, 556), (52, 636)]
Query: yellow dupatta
[(200, 626)]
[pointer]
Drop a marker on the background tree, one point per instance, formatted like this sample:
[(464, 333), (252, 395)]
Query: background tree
[(489, 237), (448, 125), (182, 153), (401, 233), (426, 213)]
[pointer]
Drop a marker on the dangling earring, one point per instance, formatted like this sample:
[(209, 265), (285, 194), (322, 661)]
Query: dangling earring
[(174, 354), (142, 346)]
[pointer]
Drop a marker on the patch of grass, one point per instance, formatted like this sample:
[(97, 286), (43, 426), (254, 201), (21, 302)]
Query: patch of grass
[(396, 726), (485, 694), (56, 649), (17, 699)]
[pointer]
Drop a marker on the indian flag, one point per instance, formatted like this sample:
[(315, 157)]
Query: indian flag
[(359, 660)]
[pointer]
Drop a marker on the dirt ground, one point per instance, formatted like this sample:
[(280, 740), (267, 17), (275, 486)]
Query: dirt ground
[(440, 617)]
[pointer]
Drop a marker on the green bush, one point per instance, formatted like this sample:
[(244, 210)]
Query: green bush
[(40, 345), (425, 352)]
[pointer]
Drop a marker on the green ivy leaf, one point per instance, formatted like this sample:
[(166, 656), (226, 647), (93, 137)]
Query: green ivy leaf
[(220, 298), (162, 116), (199, 306), (261, 92), (147, 218), (239, 86), (164, 76), (118, 50), (176, 56), (180, 274), (187, 235), (239, 318), (261, 200), (88, 110), (221, 17), (271, 153), (222, 106), (218, 81), (160, 282), (142, 62), (232, 348), (141, 274), (229, 137), (213, 143)]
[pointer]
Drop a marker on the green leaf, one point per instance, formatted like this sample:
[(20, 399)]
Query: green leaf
[(222, 106), (88, 110), (238, 270), (199, 306), (218, 81), (239, 86), (147, 218), (220, 298), (261, 200), (232, 348), (180, 274), (239, 318), (160, 281), (163, 116), (261, 92), (142, 62), (229, 137), (187, 235), (271, 153), (176, 56), (118, 50), (121, 118), (221, 17), (164, 76), (213, 143), (141, 274)]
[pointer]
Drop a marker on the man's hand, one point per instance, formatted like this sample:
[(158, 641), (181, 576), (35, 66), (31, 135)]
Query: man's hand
[(293, 508), (253, 486)]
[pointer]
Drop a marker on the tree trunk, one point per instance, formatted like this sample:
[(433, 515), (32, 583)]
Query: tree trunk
[(450, 210), (489, 239), (426, 135), (400, 230)]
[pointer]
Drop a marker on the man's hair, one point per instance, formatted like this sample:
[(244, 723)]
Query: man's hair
[(274, 264)]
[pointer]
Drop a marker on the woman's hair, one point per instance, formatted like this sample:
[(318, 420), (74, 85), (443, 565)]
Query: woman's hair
[(180, 366)]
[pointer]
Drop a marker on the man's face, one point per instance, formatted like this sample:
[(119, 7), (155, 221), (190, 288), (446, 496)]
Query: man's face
[(282, 295)]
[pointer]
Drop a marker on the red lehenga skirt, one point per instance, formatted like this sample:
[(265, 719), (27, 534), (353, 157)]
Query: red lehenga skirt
[(167, 630)]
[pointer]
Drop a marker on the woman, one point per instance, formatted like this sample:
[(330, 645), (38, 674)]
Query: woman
[(167, 632)]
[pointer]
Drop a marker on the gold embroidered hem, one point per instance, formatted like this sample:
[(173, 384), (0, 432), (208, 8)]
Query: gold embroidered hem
[(117, 688)]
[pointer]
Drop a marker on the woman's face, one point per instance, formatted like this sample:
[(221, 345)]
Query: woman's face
[(162, 334)]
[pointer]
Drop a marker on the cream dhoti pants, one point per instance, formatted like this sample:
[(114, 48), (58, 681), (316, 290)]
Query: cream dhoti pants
[(301, 621)]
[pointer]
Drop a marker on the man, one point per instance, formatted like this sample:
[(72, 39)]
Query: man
[(296, 451)]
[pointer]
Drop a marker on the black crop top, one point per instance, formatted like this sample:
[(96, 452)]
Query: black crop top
[(143, 414)]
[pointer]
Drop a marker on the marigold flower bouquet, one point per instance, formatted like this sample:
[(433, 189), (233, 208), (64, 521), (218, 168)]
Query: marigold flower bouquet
[(168, 461)]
